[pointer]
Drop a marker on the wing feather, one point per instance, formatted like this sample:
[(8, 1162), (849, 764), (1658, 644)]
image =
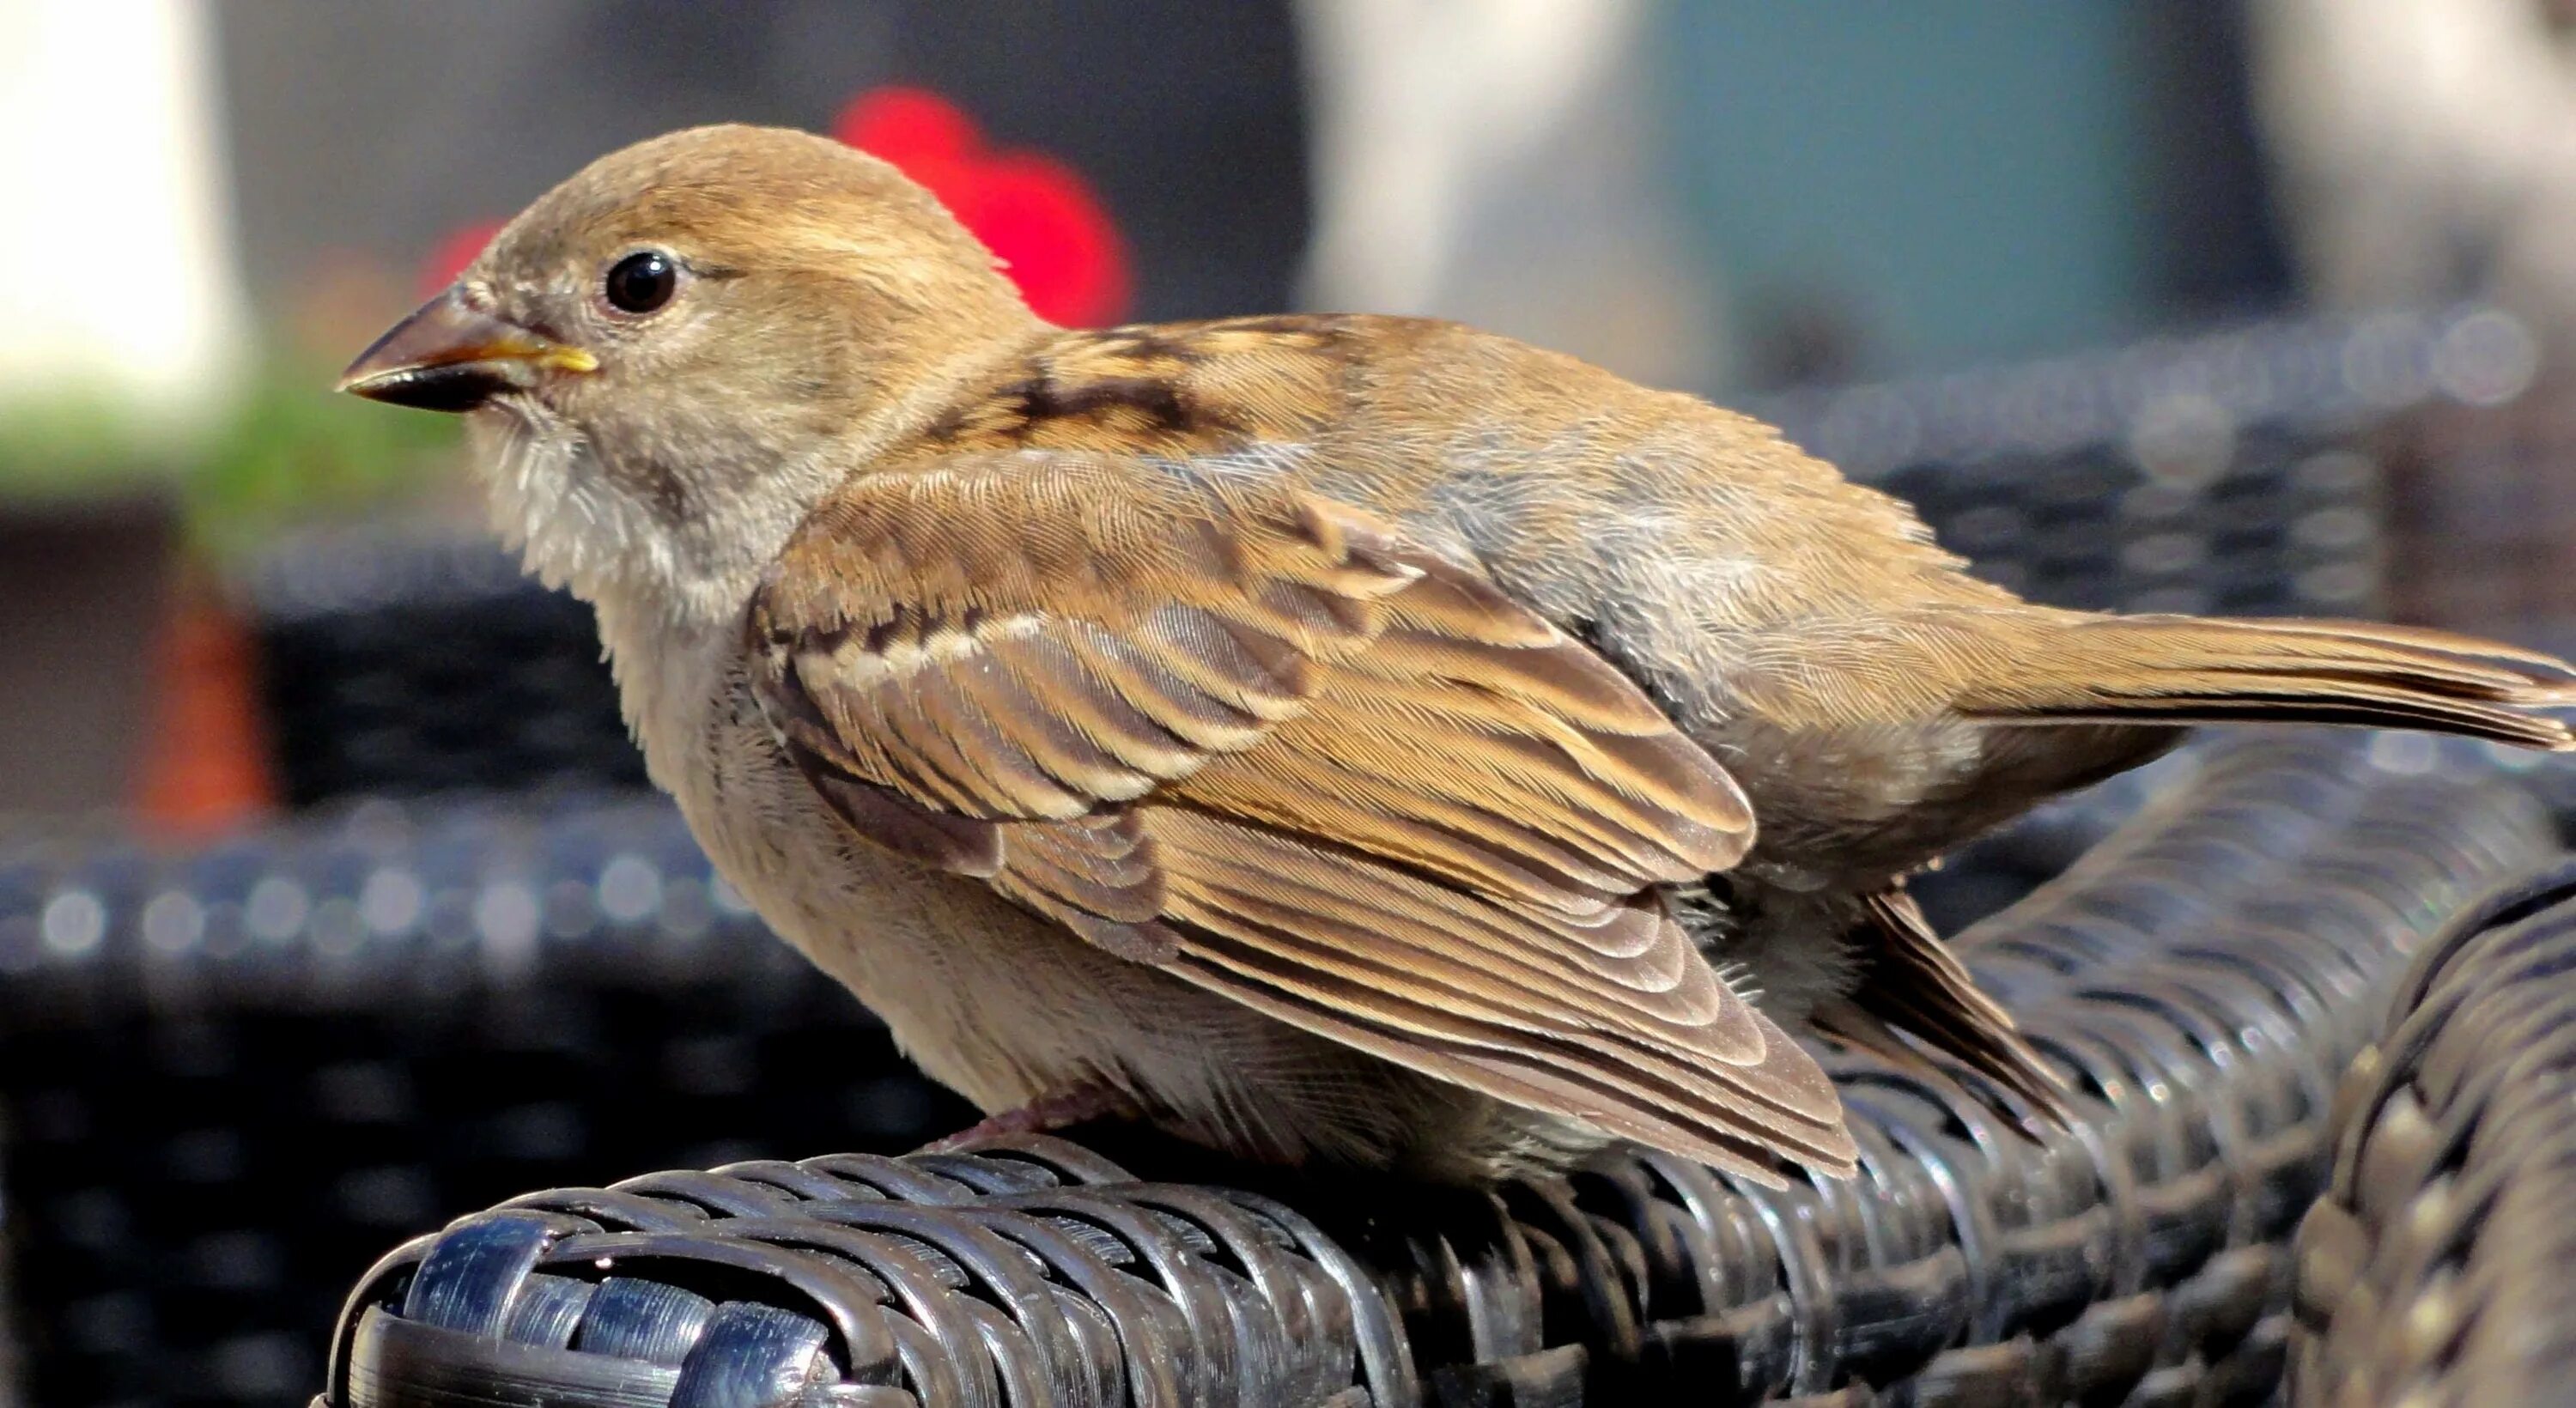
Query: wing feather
[(1216, 724)]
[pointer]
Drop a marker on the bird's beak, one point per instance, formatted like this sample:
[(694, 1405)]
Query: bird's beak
[(448, 357)]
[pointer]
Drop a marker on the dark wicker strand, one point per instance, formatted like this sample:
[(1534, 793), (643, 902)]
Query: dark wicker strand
[(2434, 1270)]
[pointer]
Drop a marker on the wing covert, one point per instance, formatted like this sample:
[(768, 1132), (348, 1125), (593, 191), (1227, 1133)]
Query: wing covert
[(1209, 721)]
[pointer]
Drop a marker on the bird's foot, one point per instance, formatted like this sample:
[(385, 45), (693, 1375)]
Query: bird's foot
[(1058, 1109)]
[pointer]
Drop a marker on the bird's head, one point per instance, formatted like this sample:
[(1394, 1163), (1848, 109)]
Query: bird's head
[(668, 357)]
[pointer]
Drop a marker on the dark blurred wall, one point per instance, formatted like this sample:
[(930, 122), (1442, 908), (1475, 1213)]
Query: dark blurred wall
[(86, 590), (2215, 246), (377, 129)]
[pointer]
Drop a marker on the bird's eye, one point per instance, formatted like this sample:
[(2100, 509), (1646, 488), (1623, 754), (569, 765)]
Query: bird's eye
[(641, 282)]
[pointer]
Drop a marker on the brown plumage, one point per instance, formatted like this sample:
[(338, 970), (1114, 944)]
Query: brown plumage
[(1335, 738)]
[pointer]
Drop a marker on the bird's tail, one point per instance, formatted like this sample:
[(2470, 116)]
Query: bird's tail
[(2206, 670)]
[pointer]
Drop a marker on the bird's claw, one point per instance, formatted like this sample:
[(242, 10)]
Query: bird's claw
[(1055, 1110)]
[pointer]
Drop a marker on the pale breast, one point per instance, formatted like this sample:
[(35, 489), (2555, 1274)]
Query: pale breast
[(986, 997)]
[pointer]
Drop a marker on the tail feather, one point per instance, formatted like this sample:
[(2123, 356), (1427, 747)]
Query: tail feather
[(2534, 668), (1912, 985), (1913, 996), (2191, 670)]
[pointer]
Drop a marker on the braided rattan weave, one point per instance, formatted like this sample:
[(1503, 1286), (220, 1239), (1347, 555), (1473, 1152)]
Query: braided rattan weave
[(2440, 1267), (2201, 975)]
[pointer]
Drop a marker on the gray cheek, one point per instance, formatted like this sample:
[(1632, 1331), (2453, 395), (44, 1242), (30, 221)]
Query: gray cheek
[(633, 458)]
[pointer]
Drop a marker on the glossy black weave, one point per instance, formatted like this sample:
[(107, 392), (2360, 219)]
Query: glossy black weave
[(230, 1076), (2440, 1268), (393, 664), (2201, 975), (2235, 471)]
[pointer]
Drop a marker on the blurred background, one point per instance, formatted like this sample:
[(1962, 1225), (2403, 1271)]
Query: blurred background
[(329, 904)]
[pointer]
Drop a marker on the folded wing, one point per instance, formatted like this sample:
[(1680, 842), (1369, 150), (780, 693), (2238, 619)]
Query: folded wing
[(1214, 724)]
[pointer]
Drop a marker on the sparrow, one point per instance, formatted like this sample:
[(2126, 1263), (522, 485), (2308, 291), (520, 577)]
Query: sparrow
[(1343, 741)]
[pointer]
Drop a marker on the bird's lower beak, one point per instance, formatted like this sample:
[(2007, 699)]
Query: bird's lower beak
[(448, 357)]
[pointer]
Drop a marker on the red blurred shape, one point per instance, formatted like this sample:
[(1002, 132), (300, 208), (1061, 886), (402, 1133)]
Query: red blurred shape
[(453, 253), (908, 125), (205, 764), (1038, 216)]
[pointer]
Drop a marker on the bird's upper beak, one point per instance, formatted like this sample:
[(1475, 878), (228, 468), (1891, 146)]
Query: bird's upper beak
[(448, 357)]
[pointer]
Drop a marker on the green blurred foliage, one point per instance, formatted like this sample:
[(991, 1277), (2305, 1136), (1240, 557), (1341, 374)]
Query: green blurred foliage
[(285, 452)]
